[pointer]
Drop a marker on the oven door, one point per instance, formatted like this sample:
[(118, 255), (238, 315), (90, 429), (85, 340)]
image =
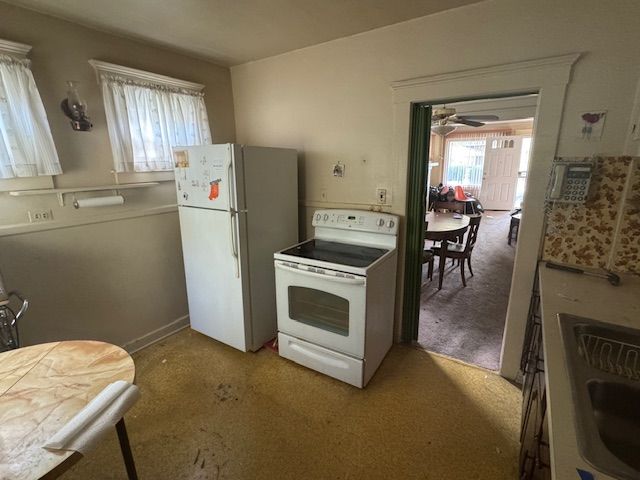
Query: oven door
[(322, 306)]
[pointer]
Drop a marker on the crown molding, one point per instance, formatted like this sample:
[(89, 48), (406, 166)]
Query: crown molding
[(566, 61), (133, 73), (14, 48)]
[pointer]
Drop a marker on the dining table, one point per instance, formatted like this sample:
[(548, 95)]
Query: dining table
[(44, 386), (444, 228)]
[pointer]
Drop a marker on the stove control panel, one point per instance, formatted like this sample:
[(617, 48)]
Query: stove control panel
[(361, 220)]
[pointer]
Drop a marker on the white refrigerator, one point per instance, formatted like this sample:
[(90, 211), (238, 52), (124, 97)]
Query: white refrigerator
[(237, 205)]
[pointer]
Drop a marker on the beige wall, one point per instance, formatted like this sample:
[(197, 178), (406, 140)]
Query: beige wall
[(334, 102), (119, 280)]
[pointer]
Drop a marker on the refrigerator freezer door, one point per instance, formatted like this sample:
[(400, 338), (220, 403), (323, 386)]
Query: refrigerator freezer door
[(217, 306), (204, 176)]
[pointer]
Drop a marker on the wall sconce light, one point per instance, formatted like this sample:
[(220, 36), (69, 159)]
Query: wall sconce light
[(75, 108)]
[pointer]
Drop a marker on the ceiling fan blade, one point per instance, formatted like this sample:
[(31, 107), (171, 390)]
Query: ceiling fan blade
[(480, 118), (465, 121)]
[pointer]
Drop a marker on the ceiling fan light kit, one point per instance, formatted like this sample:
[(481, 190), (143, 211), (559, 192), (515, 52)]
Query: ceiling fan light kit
[(445, 120), (442, 130)]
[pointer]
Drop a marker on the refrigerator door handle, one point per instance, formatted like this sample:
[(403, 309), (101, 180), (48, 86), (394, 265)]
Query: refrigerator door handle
[(231, 181), (233, 223)]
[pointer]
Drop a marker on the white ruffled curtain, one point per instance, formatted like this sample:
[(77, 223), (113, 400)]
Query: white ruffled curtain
[(146, 121), (26, 144), (464, 160)]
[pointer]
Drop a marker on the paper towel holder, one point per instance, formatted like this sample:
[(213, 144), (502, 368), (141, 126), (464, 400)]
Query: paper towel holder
[(116, 195)]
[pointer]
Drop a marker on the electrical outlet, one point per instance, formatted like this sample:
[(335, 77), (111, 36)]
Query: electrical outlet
[(36, 216), (381, 195)]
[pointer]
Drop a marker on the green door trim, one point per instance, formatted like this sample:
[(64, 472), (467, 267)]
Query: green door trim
[(419, 139)]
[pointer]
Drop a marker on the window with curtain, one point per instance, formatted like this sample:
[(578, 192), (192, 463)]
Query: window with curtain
[(464, 159), (464, 163), (26, 144), (147, 119)]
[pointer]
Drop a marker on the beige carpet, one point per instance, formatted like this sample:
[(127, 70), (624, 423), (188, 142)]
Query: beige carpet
[(467, 323), (210, 412)]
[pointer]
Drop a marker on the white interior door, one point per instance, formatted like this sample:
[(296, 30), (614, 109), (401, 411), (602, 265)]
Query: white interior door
[(500, 172)]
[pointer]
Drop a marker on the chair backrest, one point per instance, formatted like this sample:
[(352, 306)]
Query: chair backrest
[(472, 233), (448, 207)]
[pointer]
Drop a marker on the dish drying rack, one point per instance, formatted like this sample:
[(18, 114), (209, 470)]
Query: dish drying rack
[(611, 356)]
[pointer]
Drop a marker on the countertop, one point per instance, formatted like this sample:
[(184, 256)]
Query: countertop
[(585, 296)]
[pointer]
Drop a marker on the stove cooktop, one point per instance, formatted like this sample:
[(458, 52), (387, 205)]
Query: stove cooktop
[(335, 252)]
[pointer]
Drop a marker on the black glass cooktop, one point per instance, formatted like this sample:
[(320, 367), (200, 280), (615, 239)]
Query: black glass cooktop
[(335, 252)]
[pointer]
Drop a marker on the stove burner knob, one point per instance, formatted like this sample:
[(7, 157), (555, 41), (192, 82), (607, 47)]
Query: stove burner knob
[(380, 222), (325, 217), (390, 223), (318, 216)]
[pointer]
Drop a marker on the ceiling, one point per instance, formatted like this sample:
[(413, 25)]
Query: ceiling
[(231, 32)]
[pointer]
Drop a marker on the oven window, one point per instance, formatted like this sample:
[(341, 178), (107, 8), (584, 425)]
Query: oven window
[(319, 309)]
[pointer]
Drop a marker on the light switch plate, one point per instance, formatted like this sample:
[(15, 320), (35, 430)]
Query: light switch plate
[(383, 195)]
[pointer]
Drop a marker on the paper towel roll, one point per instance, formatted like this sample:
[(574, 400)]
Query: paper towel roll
[(99, 201)]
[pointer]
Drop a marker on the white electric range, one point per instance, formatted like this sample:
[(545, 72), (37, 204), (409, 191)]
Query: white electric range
[(336, 293)]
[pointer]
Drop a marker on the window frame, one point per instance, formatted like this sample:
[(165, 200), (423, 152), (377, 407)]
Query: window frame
[(21, 51), (447, 154), (101, 67)]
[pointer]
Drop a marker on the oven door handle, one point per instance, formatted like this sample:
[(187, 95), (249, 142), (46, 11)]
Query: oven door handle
[(330, 278)]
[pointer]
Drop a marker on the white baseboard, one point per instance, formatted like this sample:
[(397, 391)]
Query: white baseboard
[(156, 335)]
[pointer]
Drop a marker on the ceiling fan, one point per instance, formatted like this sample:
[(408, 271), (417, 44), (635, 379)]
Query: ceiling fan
[(444, 120)]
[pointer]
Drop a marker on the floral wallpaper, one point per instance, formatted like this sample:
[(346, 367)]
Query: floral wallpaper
[(587, 234)]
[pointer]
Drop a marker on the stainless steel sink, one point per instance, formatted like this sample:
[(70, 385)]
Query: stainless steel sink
[(603, 363)]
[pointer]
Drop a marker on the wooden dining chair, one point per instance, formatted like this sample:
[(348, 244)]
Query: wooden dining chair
[(462, 252), (428, 256), (514, 227)]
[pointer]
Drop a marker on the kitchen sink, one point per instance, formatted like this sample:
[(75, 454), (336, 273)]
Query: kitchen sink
[(603, 363)]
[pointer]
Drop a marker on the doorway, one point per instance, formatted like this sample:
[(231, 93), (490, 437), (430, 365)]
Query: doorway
[(487, 160), (548, 77)]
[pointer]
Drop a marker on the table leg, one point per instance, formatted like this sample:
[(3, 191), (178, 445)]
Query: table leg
[(127, 456), (444, 245)]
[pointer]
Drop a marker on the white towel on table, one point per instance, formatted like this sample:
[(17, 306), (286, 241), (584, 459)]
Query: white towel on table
[(90, 424)]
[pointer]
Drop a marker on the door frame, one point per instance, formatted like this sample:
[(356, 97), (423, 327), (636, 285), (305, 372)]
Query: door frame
[(419, 140), (548, 78)]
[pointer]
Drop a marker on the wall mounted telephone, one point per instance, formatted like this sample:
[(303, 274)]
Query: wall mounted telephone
[(570, 182)]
